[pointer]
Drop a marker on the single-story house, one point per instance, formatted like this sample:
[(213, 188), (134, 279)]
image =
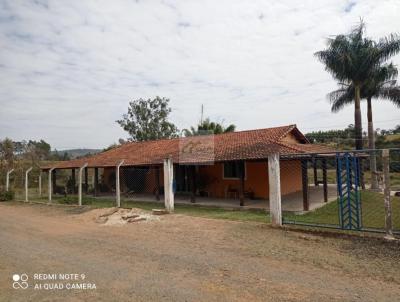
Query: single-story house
[(229, 165)]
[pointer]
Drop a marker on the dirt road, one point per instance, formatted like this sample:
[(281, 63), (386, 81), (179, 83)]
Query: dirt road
[(182, 258)]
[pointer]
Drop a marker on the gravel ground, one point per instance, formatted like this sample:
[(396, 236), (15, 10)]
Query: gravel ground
[(182, 258)]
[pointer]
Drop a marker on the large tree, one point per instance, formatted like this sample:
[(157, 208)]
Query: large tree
[(148, 120), (208, 127), (381, 85), (7, 153), (37, 150), (353, 60)]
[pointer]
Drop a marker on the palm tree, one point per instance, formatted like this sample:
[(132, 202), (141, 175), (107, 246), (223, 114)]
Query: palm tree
[(382, 85), (208, 127), (353, 60)]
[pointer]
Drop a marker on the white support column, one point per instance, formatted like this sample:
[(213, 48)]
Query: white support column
[(117, 184), (50, 184), (275, 206), (168, 185), (80, 184), (8, 179), (27, 183), (40, 183)]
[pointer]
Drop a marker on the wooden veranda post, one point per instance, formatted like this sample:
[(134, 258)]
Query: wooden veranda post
[(168, 185), (96, 181), (325, 179), (117, 184), (386, 193), (73, 180), (241, 165), (54, 179), (193, 183), (275, 203), (157, 182), (86, 180), (80, 184), (50, 183), (304, 179), (314, 161), (27, 184)]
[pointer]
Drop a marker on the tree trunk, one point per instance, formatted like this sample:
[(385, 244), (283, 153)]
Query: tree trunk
[(357, 119), (371, 146)]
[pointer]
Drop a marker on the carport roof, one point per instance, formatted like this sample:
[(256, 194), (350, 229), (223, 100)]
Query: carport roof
[(241, 145)]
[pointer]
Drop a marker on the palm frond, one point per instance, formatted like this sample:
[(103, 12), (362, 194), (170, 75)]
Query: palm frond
[(340, 98), (387, 47), (391, 93)]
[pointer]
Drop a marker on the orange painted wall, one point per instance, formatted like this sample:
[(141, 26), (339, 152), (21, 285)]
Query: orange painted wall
[(256, 179), (290, 176)]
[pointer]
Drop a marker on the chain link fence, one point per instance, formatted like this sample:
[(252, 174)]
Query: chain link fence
[(98, 185), (394, 172), (343, 190), (141, 184)]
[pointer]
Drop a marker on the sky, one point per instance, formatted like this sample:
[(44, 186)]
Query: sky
[(68, 69)]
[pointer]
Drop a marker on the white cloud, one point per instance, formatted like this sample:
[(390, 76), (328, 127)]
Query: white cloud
[(68, 69)]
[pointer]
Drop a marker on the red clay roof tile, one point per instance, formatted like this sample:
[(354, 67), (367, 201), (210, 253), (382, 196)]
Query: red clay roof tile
[(245, 145)]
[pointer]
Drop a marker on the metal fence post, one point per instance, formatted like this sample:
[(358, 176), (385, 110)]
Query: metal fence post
[(275, 204), (386, 192), (27, 183), (80, 184), (8, 179), (168, 185), (50, 184), (117, 185)]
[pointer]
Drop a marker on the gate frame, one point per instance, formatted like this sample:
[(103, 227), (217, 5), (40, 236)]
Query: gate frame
[(351, 191)]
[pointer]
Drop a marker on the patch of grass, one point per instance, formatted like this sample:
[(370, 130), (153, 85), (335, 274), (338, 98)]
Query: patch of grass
[(372, 212), (190, 210), (327, 214), (395, 181), (217, 213)]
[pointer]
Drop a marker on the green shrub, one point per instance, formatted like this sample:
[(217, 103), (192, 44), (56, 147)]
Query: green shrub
[(6, 195)]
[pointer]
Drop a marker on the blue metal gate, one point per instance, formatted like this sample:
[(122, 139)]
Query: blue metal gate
[(348, 181)]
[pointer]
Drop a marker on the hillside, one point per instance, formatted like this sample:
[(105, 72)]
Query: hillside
[(75, 153)]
